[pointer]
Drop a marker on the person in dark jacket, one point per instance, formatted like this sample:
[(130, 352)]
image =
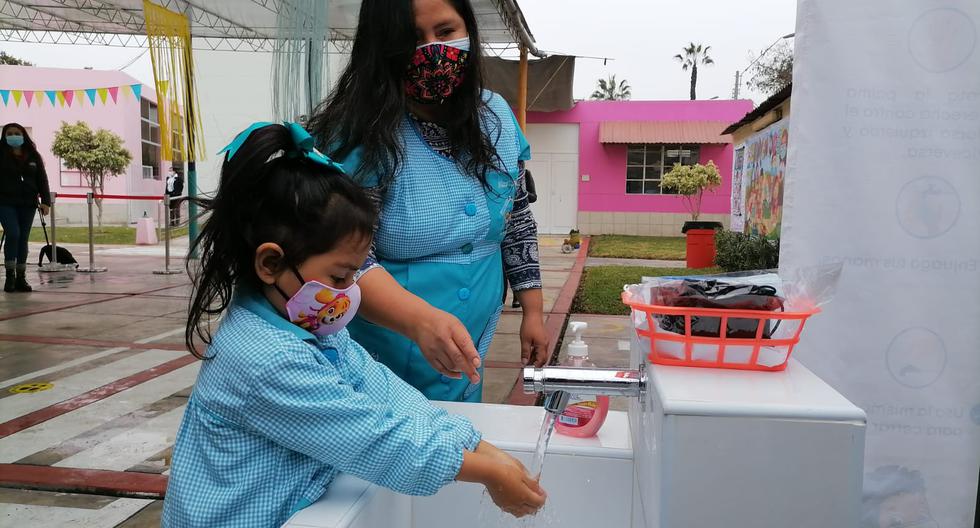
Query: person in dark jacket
[(22, 182)]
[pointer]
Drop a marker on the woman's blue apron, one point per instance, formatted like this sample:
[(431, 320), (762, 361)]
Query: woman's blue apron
[(439, 237)]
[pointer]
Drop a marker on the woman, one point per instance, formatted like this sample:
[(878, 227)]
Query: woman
[(444, 158), (22, 182)]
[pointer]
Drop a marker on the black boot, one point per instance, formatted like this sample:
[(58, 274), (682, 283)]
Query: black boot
[(11, 280), (21, 283)]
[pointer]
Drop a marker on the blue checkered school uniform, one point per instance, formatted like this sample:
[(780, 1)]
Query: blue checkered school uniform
[(439, 235), (277, 413)]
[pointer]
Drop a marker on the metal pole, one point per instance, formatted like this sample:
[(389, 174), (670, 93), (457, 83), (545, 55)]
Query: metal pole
[(166, 239), (738, 83), (90, 199)]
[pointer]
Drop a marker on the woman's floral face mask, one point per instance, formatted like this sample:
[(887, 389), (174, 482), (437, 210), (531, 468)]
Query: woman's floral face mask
[(436, 70)]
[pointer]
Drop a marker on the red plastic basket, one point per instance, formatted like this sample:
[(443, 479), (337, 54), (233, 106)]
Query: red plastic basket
[(669, 348)]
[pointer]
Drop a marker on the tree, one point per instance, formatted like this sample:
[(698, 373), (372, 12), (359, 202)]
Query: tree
[(773, 71), (691, 181), (694, 54), (11, 60), (97, 155), (608, 90)]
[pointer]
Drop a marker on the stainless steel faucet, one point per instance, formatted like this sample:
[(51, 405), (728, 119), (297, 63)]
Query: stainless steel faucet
[(558, 383)]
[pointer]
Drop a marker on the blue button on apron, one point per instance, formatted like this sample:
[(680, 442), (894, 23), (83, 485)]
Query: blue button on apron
[(470, 209), (467, 248), (463, 294)]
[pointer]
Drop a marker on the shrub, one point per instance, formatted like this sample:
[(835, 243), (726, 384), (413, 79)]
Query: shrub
[(740, 252)]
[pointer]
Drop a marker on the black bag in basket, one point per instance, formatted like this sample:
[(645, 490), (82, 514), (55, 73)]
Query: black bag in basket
[(718, 294)]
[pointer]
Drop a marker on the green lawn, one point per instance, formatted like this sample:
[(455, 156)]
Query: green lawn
[(104, 235), (599, 291), (641, 247)]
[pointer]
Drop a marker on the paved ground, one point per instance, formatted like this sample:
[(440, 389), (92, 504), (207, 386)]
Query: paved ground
[(105, 354), (105, 377)]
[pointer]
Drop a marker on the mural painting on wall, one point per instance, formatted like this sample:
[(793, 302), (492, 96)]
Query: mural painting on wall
[(764, 172), (738, 190)]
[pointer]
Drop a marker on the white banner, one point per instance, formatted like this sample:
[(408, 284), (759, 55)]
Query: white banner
[(738, 190), (884, 174)]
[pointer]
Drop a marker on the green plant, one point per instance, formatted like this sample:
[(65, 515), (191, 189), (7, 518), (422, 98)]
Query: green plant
[(740, 252), (691, 181), (608, 90), (693, 55), (97, 155)]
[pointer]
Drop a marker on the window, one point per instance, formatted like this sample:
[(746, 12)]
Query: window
[(150, 136), (646, 164)]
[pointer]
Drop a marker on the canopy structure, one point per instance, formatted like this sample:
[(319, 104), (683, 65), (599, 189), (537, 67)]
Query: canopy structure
[(232, 25)]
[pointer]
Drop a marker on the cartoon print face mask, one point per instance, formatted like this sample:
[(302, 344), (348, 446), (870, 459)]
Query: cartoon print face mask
[(320, 309)]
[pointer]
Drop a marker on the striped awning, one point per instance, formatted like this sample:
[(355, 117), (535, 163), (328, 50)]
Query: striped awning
[(700, 132)]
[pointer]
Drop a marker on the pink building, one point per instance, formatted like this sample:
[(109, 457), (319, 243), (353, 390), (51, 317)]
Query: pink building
[(597, 167), (41, 99)]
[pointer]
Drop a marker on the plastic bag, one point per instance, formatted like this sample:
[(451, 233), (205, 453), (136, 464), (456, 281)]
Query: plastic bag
[(797, 290), (712, 293)]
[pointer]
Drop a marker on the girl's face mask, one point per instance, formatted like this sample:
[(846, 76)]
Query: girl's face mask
[(436, 70), (320, 309)]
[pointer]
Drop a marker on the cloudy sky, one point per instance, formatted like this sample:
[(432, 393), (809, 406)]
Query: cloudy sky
[(640, 36)]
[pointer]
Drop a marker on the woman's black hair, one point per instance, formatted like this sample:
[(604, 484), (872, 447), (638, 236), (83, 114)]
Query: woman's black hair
[(369, 103), (267, 193), (29, 148)]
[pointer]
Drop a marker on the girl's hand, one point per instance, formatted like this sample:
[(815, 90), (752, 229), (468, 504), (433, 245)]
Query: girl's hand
[(505, 478), (446, 345), (513, 489)]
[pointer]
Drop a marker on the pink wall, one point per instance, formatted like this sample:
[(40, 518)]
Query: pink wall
[(606, 163), (122, 118)]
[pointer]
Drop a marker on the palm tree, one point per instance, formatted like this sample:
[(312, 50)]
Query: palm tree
[(608, 90), (693, 55)]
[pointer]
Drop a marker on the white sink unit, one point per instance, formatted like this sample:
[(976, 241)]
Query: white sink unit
[(589, 481), (702, 448), (741, 448)]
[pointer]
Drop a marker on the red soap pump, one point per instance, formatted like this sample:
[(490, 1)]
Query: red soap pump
[(585, 414)]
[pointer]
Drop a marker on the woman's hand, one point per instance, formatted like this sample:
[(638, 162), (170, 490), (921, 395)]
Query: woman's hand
[(447, 345), (45, 210), (444, 341), (535, 347)]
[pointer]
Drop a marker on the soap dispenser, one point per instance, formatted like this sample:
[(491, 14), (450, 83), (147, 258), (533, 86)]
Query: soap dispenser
[(584, 414)]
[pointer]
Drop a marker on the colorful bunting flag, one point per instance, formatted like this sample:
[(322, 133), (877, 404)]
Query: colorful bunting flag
[(62, 98)]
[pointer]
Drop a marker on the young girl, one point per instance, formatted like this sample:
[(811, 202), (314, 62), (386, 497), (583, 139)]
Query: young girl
[(285, 399)]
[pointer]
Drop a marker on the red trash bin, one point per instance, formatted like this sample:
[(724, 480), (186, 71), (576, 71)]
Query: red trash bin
[(700, 248)]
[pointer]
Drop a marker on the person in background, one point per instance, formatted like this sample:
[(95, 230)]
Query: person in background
[(23, 182), (175, 189)]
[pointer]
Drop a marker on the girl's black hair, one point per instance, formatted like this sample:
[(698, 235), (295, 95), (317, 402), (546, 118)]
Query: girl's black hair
[(304, 207), (368, 104), (29, 148)]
